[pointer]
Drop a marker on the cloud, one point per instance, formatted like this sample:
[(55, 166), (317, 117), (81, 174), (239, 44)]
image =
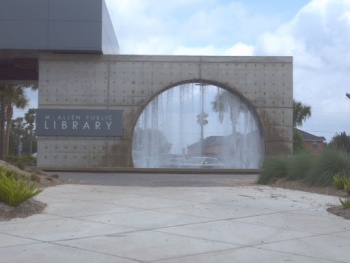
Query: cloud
[(317, 38), (240, 49), (167, 27)]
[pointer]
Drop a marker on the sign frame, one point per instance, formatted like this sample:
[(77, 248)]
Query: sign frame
[(79, 122)]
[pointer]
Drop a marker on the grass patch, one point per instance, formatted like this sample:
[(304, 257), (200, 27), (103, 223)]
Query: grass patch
[(328, 164), (273, 168), (14, 192), (299, 165), (312, 169), (338, 182), (347, 187), (345, 203)]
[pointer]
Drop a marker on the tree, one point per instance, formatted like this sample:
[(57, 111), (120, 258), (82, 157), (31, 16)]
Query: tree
[(10, 96), (226, 102), (16, 135), (22, 134), (340, 142), (298, 142), (30, 119), (300, 113)]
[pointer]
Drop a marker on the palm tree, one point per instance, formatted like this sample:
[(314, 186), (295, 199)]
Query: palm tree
[(300, 113), (16, 136), (10, 96), (30, 119), (225, 102)]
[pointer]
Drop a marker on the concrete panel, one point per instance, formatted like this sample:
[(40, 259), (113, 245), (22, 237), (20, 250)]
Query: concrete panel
[(71, 151), (130, 82), (278, 148), (84, 83)]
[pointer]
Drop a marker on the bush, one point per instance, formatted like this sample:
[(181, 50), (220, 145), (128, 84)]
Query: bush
[(20, 165), (347, 187), (299, 165), (317, 170), (340, 142), (326, 165), (273, 168), (345, 203), (338, 182), (14, 192), (298, 142), (21, 161), (34, 178)]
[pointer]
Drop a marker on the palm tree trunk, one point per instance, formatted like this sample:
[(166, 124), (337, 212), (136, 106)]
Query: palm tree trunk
[(2, 126), (31, 143), (9, 115)]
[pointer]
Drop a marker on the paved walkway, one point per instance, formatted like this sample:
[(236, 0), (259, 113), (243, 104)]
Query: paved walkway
[(89, 223)]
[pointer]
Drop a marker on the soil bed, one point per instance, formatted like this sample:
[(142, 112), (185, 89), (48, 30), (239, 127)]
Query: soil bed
[(31, 206)]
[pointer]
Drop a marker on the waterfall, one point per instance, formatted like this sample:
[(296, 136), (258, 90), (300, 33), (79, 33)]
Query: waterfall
[(170, 128)]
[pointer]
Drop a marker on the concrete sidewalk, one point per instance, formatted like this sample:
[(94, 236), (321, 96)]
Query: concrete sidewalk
[(86, 223)]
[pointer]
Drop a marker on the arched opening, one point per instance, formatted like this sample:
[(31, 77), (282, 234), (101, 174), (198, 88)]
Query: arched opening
[(198, 125)]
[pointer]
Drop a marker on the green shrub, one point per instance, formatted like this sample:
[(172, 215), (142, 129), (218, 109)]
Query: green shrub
[(342, 183), (347, 187), (299, 165), (273, 168), (20, 165), (34, 178), (326, 165), (10, 159), (338, 182), (345, 203), (14, 192), (340, 142), (21, 161), (298, 142), (9, 173)]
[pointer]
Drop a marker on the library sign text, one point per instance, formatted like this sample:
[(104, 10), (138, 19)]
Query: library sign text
[(79, 122)]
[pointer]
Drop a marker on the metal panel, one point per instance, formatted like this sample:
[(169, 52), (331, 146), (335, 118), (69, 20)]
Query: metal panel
[(79, 122), (24, 9), (77, 10), (75, 35), (66, 25), (109, 40), (23, 34)]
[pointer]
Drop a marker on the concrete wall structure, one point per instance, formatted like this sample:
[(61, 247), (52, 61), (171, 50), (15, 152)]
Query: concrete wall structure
[(129, 83)]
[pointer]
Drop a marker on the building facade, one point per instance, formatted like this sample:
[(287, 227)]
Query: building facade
[(90, 96)]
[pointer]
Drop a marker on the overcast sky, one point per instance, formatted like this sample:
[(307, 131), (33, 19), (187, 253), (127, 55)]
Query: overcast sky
[(316, 33)]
